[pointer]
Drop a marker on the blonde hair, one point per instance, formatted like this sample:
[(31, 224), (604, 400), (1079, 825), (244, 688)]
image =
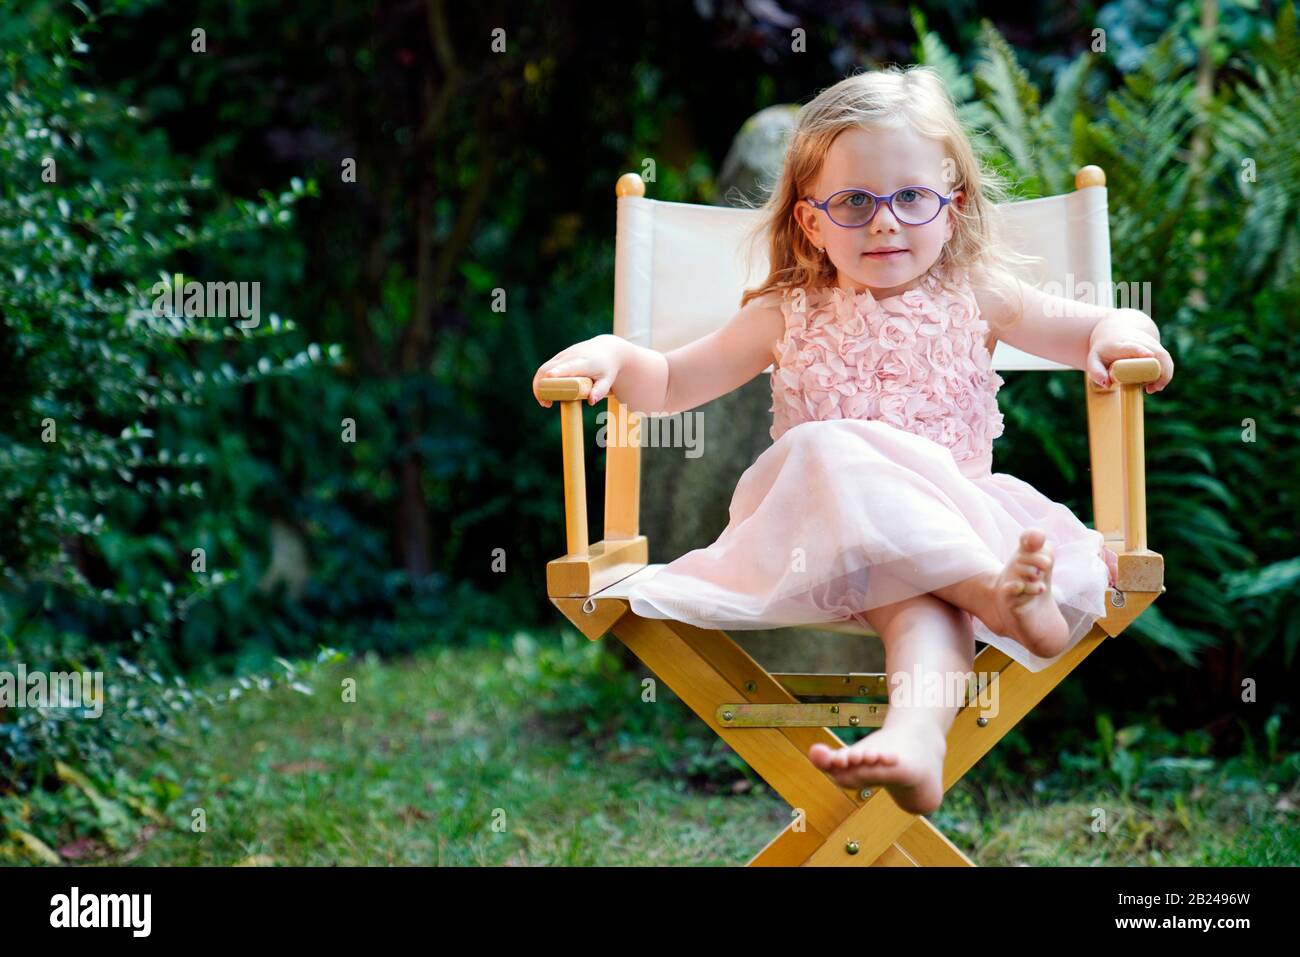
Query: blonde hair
[(886, 98)]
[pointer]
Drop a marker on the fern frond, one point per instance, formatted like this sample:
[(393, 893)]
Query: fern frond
[(931, 51), (1006, 88), (1262, 126)]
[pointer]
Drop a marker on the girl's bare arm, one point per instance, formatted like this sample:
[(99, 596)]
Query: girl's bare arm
[(1077, 334), (693, 374)]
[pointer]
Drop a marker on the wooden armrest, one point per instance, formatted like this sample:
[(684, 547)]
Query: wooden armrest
[(569, 391), (1135, 371), (586, 567), (564, 388), (1122, 436)]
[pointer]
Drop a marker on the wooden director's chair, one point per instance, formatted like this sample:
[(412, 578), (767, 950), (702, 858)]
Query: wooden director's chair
[(678, 275)]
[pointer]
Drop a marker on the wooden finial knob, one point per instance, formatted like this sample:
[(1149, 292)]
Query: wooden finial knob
[(629, 184), (1089, 176)]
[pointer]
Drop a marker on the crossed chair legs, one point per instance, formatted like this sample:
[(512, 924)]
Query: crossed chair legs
[(831, 825)]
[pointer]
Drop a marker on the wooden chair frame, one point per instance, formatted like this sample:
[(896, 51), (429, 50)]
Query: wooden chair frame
[(758, 713)]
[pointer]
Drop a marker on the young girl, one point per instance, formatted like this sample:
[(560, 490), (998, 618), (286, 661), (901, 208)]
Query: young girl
[(876, 501)]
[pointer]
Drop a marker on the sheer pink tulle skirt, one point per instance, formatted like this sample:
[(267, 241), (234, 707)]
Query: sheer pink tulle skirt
[(841, 516)]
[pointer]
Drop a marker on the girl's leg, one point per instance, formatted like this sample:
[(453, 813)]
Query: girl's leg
[(905, 755)]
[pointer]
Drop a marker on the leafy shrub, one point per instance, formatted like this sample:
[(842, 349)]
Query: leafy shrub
[(99, 522)]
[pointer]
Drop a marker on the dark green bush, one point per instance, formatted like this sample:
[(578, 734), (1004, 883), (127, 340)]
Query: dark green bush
[(104, 492)]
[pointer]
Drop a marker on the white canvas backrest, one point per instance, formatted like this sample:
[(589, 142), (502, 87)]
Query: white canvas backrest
[(679, 268)]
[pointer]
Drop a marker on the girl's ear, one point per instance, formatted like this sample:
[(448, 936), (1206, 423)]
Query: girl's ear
[(958, 199), (807, 222)]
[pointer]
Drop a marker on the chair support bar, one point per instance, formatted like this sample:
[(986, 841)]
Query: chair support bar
[(832, 714), (575, 484), (1132, 375), (570, 392)]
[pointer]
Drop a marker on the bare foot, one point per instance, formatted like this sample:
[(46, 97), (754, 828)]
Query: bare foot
[(906, 761), (1024, 608)]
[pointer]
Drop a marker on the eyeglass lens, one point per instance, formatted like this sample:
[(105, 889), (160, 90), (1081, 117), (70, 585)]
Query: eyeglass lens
[(914, 207)]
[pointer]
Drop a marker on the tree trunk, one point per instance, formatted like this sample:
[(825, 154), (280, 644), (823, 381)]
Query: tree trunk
[(412, 532)]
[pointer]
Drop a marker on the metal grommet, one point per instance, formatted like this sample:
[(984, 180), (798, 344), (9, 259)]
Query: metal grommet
[(592, 603), (1117, 599)]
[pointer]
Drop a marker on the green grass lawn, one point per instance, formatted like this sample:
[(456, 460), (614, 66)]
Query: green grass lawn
[(546, 753)]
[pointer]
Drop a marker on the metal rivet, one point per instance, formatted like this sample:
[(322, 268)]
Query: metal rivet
[(835, 709), (726, 716), (851, 847), (854, 720), (864, 793), (592, 603), (982, 722), (862, 690)]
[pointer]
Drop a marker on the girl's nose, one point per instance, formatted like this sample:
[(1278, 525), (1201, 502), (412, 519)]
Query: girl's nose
[(884, 219)]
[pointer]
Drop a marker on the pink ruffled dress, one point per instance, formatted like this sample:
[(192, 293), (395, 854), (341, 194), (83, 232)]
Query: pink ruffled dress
[(878, 485)]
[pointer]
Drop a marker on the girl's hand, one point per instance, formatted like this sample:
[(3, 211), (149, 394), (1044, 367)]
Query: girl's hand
[(1127, 344), (598, 359)]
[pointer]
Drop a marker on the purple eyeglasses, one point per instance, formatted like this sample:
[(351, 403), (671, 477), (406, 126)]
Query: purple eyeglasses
[(852, 208)]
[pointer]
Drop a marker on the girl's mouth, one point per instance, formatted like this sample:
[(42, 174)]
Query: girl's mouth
[(885, 253)]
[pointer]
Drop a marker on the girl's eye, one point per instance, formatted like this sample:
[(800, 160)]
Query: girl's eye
[(858, 199), (909, 195)]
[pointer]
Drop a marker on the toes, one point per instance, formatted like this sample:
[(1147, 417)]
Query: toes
[(1032, 539), (1020, 589), (1028, 571), (1041, 559)]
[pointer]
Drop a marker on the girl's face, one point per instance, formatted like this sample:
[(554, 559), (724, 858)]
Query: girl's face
[(881, 161)]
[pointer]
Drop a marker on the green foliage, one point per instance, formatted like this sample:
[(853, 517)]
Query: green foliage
[(1256, 129), (90, 372), (103, 501), (1148, 762), (73, 783)]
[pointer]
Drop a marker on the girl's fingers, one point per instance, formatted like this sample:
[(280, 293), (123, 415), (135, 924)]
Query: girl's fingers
[(1097, 370), (1167, 369), (1132, 350), (598, 389), (574, 366)]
